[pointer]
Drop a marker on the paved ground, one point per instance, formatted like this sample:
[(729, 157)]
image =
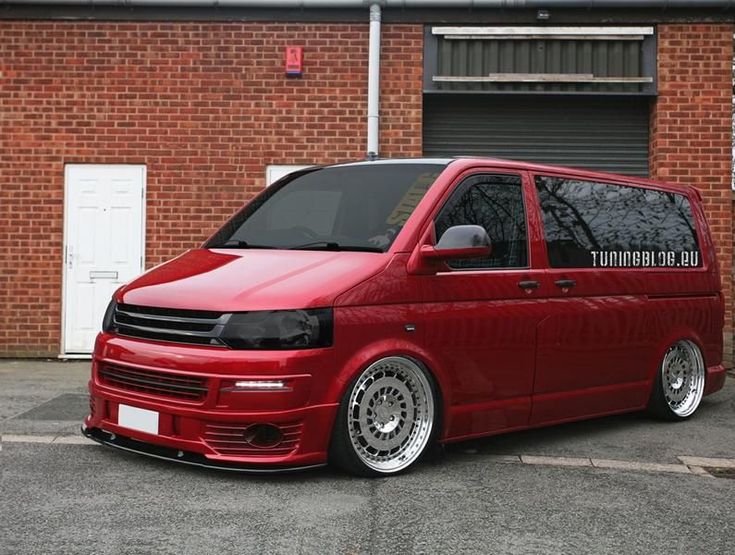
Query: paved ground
[(501, 495)]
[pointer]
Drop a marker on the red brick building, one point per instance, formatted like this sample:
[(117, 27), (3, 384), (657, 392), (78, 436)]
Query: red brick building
[(199, 98)]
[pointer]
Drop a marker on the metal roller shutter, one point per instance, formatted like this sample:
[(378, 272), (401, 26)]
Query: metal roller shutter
[(599, 133)]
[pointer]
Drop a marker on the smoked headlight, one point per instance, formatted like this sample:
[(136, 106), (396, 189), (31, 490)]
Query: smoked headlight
[(107, 320), (279, 329)]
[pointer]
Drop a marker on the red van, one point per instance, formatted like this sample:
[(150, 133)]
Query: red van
[(357, 313)]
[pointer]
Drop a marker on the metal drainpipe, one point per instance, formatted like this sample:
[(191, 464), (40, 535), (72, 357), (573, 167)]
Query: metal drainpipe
[(373, 97)]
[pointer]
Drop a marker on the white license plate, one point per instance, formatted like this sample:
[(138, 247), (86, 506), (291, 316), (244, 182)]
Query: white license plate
[(134, 418)]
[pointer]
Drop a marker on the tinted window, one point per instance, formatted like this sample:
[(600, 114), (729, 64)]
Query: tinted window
[(360, 206), (581, 217), (494, 202)]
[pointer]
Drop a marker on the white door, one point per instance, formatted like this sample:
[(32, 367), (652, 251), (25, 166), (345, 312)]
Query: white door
[(103, 244)]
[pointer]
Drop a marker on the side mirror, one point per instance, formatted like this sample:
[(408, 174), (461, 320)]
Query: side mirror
[(459, 241)]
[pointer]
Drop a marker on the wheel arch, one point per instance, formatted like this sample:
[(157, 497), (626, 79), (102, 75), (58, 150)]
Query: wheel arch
[(680, 333), (359, 361)]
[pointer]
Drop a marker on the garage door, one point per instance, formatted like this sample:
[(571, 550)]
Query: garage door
[(599, 133)]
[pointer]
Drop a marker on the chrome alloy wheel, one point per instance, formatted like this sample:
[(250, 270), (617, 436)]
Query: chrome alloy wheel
[(682, 378), (390, 414)]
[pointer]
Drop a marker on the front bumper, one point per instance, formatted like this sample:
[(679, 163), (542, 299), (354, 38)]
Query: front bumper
[(210, 430)]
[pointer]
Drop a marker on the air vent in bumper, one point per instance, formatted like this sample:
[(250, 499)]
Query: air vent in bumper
[(165, 384), (230, 439)]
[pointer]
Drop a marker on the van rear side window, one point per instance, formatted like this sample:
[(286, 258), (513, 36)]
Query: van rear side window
[(587, 223)]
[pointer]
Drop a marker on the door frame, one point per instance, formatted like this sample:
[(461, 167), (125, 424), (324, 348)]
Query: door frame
[(518, 409), (67, 166)]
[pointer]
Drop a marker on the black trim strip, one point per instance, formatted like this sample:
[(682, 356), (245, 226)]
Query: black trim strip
[(657, 296), (193, 459), (212, 334), (180, 312), (132, 313)]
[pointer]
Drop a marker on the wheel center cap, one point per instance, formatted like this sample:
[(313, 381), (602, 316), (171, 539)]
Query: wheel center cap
[(676, 377), (386, 414)]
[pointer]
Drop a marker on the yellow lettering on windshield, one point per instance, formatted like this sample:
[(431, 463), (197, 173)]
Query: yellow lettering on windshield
[(411, 199)]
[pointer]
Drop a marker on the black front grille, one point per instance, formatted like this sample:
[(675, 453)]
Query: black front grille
[(199, 327), (151, 381)]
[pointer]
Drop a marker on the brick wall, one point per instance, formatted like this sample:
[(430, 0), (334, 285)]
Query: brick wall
[(691, 129), (204, 106)]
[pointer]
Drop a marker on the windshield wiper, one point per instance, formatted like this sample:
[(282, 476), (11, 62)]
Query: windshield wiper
[(239, 244), (315, 245), (334, 246)]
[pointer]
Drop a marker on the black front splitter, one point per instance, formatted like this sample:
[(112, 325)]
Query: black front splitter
[(184, 457)]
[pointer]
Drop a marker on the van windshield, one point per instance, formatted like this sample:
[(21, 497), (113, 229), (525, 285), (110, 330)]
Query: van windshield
[(358, 207)]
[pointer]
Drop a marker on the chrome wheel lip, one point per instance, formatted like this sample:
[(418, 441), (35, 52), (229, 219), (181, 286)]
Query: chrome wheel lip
[(683, 378), (378, 442)]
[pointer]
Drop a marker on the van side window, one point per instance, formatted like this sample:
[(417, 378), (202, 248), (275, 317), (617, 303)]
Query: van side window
[(583, 216), (496, 203)]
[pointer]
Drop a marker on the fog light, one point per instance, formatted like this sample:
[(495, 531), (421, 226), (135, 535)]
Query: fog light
[(263, 435)]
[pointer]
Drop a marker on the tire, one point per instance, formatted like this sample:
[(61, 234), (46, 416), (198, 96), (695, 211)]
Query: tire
[(387, 419), (679, 385)]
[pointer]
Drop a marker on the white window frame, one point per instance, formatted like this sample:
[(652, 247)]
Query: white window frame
[(274, 172)]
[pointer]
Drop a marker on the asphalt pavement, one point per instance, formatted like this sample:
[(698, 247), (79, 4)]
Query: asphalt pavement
[(613, 485)]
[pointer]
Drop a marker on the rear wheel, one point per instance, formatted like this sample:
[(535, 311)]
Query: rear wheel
[(679, 383), (386, 419)]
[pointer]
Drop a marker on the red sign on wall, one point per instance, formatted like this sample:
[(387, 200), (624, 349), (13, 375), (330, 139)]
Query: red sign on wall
[(294, 60)]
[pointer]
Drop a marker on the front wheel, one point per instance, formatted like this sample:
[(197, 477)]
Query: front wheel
[(679, 384), (386, 420)]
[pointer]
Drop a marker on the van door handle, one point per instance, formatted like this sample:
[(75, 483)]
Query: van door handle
[(529, 284), (565, 283)]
